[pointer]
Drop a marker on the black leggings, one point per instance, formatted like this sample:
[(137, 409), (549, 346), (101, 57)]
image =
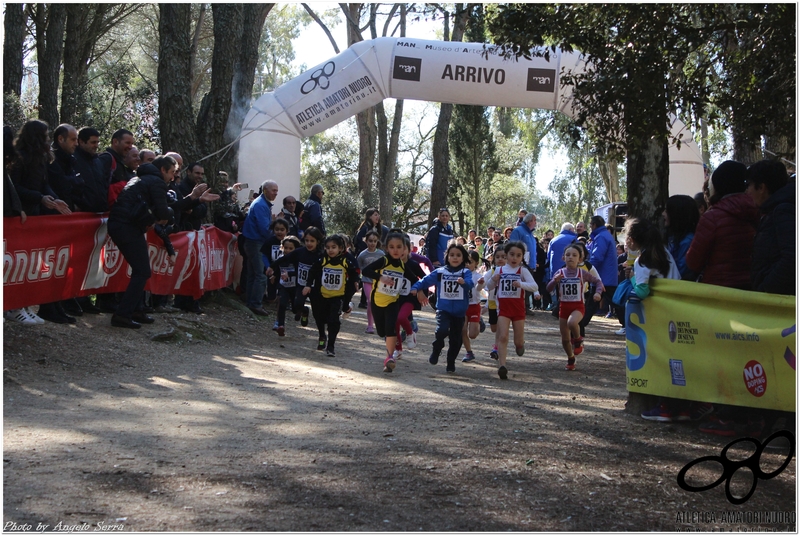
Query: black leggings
[(326, 311)]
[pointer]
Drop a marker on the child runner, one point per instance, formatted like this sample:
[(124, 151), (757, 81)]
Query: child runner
[(499, 258), (302, 260), (388, 273), (332, 280), (287, 284), (271, 251), (570, 281), (471, 326), (371, 254), (511, 281), (405, 326), (453, 282)]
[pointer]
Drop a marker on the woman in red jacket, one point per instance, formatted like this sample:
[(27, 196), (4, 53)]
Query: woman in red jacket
[(722, 247)]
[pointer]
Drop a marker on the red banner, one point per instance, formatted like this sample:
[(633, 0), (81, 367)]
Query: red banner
[(51, 258)]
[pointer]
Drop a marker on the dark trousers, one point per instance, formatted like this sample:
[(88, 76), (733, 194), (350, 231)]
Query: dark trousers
[(136, 254), (326, 312), (256, 278), (287, 298), (448, 325)]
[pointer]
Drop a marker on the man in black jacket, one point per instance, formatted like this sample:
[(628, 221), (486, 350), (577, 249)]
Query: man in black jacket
[(127, 225), (61, 172), (94, 197)]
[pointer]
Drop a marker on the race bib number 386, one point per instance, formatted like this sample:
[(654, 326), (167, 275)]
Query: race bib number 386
[(332, 278), (450, 289)]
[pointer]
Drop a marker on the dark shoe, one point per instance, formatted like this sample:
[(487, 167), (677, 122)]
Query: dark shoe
[(321, 345), (196, 308), (147, 310), (60, 310), (141, 317), (71, 307), (433, 358), (259, 311), (49, 313), (122, 321), (503, 373), (89, 308)]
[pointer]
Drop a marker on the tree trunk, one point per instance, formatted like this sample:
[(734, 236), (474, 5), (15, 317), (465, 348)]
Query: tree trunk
[(243, 80), (14, 27), (440, 184), (609, 171), (779, 147), (50, 21), (175, 114), (389, 169), (367, 144), (745, 146), (215, 107), (648, 179)]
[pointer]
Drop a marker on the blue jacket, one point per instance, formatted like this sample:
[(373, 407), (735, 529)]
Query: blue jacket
[(259, 217), (525, 235), (602, 248), (313, 213), (678, 252), (436, 242), (556, 248), (437, 278)]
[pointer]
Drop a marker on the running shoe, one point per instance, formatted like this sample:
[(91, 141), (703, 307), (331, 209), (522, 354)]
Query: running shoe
[(700, 410), (389, 364), (19, 315), (570, 364), (321, 345), (281, 330), (724, 428), (304, 317), (433, 358), (347, 312), (621, 332), (659, 413), (370, 330), (520, 350), (451, 368), (577, 344), (397, 354), (33, 316), (331, 352), (502, 372), (411, 342), (494, 353), (469, 357), (275, 326)]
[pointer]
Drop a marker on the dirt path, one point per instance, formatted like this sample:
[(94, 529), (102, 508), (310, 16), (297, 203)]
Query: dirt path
[(236, 429)]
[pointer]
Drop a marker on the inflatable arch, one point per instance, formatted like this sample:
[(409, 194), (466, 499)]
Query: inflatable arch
[(402, 68)]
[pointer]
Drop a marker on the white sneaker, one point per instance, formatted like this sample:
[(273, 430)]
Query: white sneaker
[(33, 316), (20, 316), (410, 343), (397, 354), (621, 332)]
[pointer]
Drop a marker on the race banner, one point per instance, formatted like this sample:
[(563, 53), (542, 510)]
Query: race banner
[(708, 343), (51, 258)]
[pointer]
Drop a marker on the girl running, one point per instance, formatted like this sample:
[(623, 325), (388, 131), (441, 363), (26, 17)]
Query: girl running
[(301, 260), (332, 280), (499, 261), (271, 251), (453, 282), (371, 254), (570, 281), (388, 273), (511, 281), (287, 285), (406, 326), (471, 327)]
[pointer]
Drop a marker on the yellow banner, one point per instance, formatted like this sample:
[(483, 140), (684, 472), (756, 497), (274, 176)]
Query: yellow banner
[(708, 343)]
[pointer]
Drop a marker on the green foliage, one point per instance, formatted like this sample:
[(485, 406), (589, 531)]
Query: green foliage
[(275, 52)]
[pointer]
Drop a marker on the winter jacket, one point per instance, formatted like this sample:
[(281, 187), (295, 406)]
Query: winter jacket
[(259, 217), (722, 247), (444, 279), (63, 178), (94, 197), (774, 251), (523, 234), (556, 247), (602, 250), (313, 215), (360, 244), (436, 242), (32, 184), (151, 188), (678, 252)]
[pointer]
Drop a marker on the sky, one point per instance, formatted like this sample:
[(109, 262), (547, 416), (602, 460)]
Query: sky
[(313, 47)]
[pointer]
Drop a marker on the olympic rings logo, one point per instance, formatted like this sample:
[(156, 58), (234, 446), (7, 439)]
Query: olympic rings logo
[(730, 467), (319, 78)]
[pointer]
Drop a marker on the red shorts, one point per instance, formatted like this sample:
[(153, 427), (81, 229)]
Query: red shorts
[(566, 308), (512, 308), (473, 313)]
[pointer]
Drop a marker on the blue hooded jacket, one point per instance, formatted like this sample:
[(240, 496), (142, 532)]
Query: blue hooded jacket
[(445, 276)]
